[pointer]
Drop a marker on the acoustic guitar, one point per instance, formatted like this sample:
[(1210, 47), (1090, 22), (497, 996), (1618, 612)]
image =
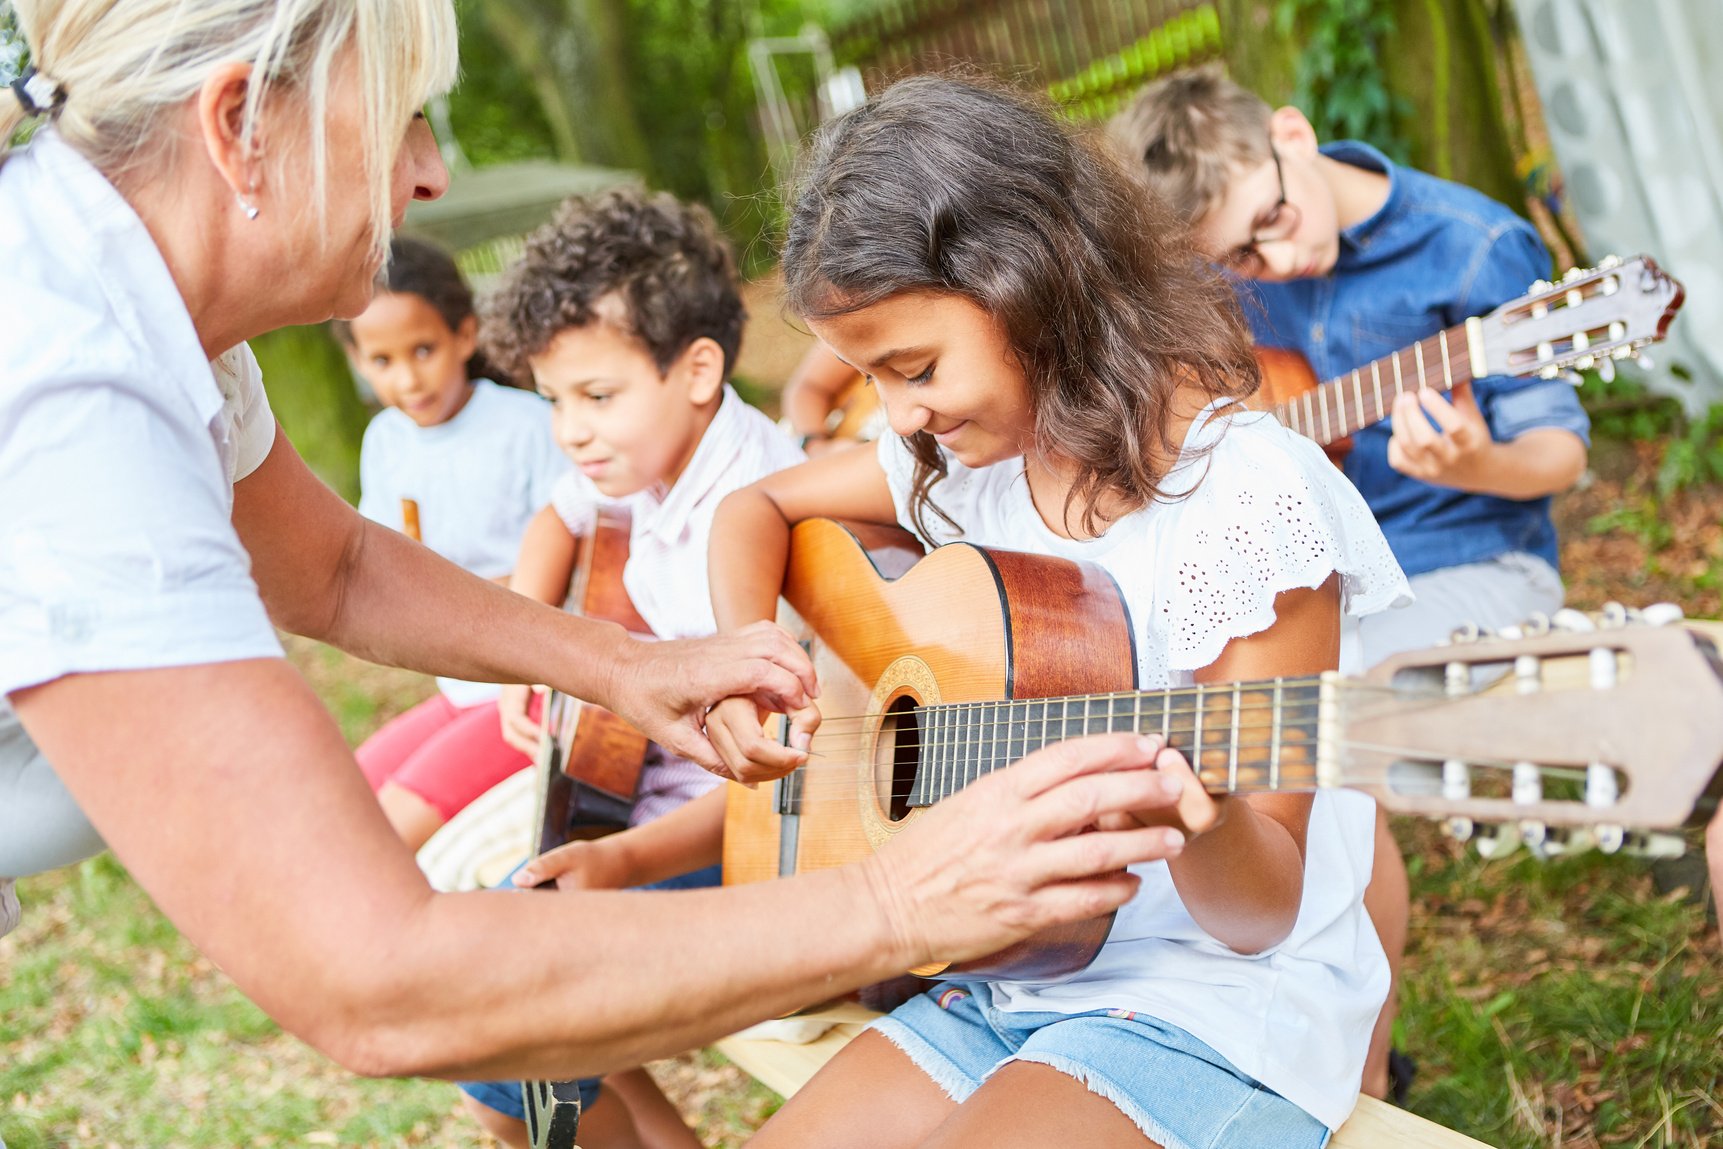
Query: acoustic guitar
[(1592, 318), (589, 760), (935, 671)]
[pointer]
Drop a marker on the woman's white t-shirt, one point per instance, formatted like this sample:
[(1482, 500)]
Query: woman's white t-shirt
[(1268, 513), (477, 480), (120, 443)]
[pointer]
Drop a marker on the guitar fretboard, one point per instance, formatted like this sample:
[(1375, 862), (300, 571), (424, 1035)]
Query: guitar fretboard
[(1241, 737), (1365, 395)]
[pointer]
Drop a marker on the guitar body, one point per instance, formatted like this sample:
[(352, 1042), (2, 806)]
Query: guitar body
[(1285, 376), (965, 624), (590, 760)]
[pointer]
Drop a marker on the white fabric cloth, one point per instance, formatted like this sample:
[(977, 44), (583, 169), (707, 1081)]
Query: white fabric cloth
[(120, 443), (1268, 513), (478, 479), (666, 571)]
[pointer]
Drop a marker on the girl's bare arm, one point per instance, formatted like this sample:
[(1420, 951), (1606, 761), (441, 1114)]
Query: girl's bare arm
[(1242, 880), (748, 554)]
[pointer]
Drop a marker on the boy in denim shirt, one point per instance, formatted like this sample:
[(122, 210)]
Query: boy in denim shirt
[(1346, 257)]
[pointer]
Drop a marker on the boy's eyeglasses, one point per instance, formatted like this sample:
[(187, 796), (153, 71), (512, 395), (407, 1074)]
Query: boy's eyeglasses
[(1278, 223)]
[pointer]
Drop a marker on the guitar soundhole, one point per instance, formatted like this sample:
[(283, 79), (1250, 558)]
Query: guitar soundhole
[(898, 756)]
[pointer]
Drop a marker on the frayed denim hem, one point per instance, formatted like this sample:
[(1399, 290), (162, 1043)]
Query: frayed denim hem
[(952, 1081), (1102, 1087)]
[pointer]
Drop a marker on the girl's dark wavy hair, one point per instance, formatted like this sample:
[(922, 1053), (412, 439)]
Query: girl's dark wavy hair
[(961, 186)]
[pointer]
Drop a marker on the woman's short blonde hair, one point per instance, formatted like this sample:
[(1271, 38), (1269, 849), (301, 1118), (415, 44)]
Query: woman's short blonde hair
[(122, 64)]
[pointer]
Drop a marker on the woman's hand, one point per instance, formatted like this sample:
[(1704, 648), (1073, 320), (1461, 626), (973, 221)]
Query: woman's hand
[(594, 865), (666, 688), (1007, 856), (519, 728), (736, 729)]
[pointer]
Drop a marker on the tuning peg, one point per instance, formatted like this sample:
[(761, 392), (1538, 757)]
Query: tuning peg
[(1585, 362), (1655, 845), (1662, 614), (1547, 842), (1576, 621), (1646, 361), (1610, 838), (1626, 351), (1468, 632), (1459, 829), (1540, 287), (1608, 262), (1614, 616), (1572, 274), (1496, 841), (1606, 369)]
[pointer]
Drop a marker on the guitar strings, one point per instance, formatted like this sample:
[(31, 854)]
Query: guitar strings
[(855, 772)]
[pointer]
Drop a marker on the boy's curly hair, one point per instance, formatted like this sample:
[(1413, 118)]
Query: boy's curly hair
[(662, 259)]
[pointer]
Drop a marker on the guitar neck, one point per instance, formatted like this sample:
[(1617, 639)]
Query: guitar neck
[(1241, 737), (1347, 404)]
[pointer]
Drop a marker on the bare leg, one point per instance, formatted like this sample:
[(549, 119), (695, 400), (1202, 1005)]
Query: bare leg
[(413, 818), (604, 1125), (656, 1120), (1027, 1105), (1388, 899), (869, 1096)]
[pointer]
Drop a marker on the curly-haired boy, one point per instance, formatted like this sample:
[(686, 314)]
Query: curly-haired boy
[(626, 313)]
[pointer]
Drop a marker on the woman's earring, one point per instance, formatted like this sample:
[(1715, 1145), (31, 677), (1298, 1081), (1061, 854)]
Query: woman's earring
[(250, 209)]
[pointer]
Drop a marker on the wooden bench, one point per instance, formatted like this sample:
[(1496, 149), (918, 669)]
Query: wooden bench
[(783, 1068)]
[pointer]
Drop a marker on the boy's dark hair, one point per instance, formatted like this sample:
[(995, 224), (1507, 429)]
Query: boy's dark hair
[(418, 267), (662, 259), (964, 187)]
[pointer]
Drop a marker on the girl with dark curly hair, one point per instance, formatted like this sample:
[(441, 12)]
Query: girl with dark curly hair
[(460, 463), (1065, 377)]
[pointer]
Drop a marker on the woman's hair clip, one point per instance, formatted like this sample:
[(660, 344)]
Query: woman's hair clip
[(39, 95)]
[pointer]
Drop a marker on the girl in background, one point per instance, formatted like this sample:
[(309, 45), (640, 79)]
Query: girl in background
[(1064, 377), (461, 464)]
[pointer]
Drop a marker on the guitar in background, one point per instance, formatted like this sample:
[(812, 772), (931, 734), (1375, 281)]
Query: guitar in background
[(1590, 320)]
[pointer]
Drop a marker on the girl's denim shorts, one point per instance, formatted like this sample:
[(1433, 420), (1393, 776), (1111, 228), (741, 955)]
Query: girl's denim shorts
[(1178, 1091)]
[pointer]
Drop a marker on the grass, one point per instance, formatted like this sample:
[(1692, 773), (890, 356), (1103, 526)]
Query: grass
[(1558, 1005)]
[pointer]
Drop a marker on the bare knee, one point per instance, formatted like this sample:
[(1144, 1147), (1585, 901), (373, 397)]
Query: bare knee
[(414, 819), (506, 1129)]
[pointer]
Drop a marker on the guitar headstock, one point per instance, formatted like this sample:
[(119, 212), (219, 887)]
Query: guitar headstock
[(1584, 731), (1592, 318)]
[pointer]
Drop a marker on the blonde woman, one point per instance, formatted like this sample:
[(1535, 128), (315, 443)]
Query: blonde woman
[(206, 171)]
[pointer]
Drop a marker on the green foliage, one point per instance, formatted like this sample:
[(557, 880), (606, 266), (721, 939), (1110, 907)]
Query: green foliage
[(1341, 82), (1110, 82), (1692, 448)]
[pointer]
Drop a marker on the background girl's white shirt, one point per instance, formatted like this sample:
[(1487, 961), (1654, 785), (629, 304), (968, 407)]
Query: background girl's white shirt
[(1268, 513), (666, 573), (478, 479), (120, 443)]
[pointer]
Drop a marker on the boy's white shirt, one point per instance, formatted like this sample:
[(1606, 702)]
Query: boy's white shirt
[(1269, 512), (666, 573), (478, 479)]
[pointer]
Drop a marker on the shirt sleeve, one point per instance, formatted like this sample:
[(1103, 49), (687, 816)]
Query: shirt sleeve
[(1269, 514), (1504, 270), (241, 380), (117, 551)]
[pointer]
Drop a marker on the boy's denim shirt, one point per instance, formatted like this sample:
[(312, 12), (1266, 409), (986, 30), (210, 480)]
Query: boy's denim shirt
[(1435, 254)]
